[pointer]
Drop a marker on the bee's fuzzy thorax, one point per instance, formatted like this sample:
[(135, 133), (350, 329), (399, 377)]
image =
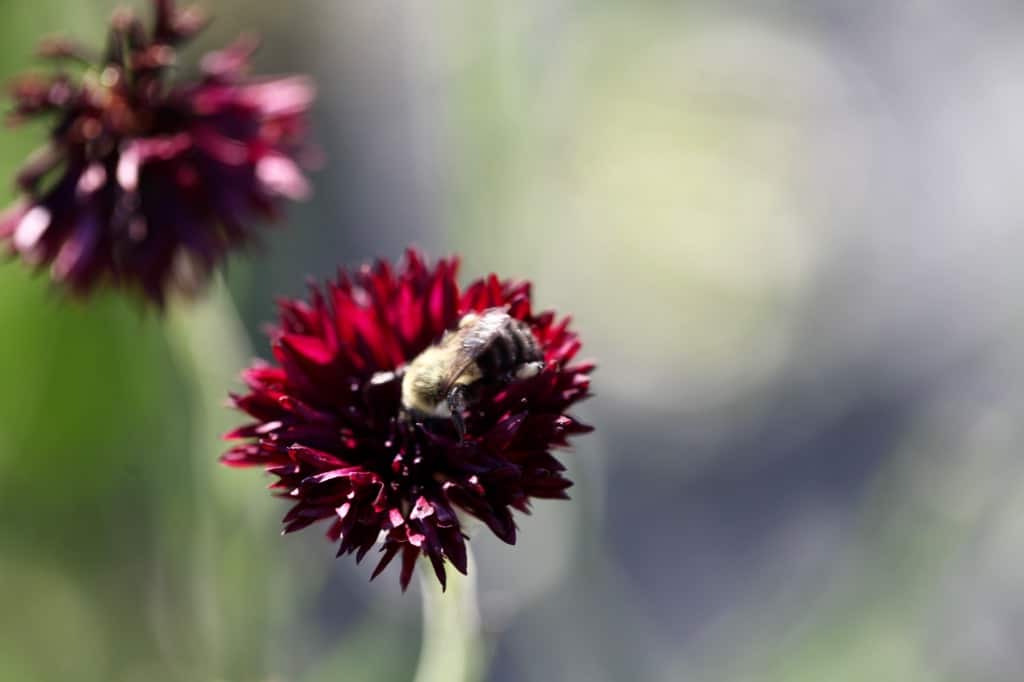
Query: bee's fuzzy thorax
[(423, 379)]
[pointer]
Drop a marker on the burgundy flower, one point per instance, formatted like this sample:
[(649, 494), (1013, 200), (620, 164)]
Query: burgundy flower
[(146, 181), (329, 421)]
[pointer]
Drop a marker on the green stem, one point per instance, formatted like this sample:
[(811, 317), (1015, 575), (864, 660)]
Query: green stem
[(452, 649), (210, 347)]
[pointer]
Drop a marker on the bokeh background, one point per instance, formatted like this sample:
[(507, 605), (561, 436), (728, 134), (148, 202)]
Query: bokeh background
[(789, 231)]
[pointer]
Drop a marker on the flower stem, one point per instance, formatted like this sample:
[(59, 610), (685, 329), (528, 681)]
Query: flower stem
[(209, 345), (452, 648)]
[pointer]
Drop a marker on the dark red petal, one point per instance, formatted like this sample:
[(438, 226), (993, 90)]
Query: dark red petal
[(504, 432), (316, 458), (409, 556), (437, 562), (390, 550), (454, 548)]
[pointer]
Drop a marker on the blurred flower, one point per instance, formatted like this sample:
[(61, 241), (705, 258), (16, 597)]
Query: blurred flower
[(146, 182), (328, 419)]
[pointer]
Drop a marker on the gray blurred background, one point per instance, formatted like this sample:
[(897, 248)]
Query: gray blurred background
[(790, 234)]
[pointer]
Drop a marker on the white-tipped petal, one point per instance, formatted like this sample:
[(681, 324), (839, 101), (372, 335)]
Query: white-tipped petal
[(91, 180), (282, 176), (128, 168), (31, 228)]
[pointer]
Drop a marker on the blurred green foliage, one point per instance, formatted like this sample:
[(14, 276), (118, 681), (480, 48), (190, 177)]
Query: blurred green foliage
[(107, 565)]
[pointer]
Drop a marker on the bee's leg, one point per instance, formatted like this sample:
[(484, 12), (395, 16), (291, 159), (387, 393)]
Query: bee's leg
[(379, 378), (528, 370), (457, 405)]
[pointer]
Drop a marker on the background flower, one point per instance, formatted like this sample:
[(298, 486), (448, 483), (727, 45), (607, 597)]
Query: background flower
[(147, 180), (327, 416)]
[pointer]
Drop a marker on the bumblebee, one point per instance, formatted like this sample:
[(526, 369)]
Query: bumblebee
[(486, 348)]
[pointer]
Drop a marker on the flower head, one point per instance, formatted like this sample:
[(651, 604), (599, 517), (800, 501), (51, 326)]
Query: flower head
[(146, 181), (329, 421)]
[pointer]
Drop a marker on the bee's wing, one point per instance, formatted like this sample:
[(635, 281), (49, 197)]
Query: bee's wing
[(471, 341)]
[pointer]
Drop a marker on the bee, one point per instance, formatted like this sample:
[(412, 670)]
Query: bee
[(485, 348)]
